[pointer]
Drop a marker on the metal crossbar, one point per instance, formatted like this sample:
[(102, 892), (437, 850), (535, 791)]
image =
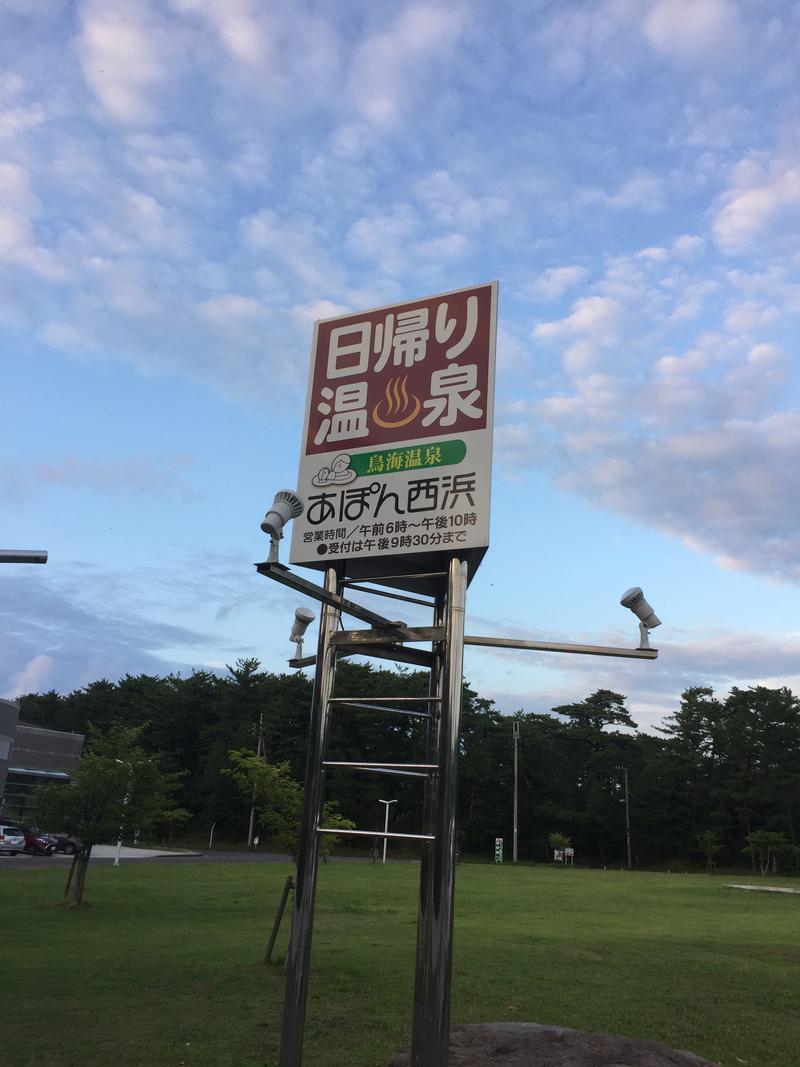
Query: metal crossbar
[(374, 833), (356, 582), (395, 700), (366, 765), (379, 707)]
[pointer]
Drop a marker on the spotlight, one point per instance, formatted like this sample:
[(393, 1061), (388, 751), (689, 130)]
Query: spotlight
[(648, 620), (302, 620), (286, 506)]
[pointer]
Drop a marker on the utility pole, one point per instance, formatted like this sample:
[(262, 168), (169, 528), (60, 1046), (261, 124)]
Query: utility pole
[(627, 819), (259, 752), (515, 734)]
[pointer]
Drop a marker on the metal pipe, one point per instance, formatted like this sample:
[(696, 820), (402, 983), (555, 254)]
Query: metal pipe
[(299, 953), (356, 582), (430, 1039), (282, 574), (365, 765), (422, 971), (374, 833), (23, 555), (556, 646)]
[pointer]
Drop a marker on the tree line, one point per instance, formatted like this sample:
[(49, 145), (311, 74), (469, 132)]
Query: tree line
[(719, 783)]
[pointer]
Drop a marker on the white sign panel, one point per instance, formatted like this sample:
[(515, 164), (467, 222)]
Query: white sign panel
[(397, 445)]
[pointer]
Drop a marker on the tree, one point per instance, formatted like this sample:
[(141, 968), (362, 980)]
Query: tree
[(709, 844), (766, 846), (278, 800), (116, 789)]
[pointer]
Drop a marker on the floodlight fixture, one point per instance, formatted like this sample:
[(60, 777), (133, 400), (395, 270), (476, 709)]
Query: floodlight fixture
[(285, 507), (634, 599), (23, 555), (303, 617)]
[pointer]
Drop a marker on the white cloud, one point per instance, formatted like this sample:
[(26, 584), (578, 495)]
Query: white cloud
[(231, 308), (761, 203), (18, 207), (139, 473), (237, 23), (125, 59), (693, 29), (34, 677), (450, 205), (555, 281), (597, 316), (687, 246), (390, 67)]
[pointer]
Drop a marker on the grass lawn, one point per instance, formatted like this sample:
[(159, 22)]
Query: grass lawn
[(164, 967)]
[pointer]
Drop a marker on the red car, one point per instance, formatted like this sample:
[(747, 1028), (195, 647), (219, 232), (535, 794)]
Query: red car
[(37, 844)]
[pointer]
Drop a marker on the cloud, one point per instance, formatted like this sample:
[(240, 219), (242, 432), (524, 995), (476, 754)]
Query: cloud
[(230, 309), (18, 208), (237, 25), (125, 59), (34, 677), (555, 281), (450, 205), (68, 641), (693, 29), (643, 191), (391, 66), (593, 323), (761, 202), (139, 474), (717, 658)]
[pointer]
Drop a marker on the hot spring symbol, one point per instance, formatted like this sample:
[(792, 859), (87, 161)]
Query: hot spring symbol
[(395, 405)]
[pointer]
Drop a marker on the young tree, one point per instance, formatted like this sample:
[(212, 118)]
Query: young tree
[(279, 801), (765, 846), (116, 789), (709, 844)]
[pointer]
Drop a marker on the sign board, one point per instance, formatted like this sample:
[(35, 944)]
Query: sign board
[(396, 456), (498, 850)]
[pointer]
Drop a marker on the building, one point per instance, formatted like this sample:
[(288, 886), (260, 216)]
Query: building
[(29, 755)]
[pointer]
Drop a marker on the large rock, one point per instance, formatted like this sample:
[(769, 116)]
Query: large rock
[(530, 1045)]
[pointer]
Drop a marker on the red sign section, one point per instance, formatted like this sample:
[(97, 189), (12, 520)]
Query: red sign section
[(413, 371)]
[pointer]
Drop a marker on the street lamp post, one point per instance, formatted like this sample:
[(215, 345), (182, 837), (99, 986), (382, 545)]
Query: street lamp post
[(386, 825), (628, 820)]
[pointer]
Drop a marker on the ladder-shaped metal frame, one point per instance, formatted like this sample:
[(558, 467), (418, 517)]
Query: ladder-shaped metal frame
[(431, 1015)]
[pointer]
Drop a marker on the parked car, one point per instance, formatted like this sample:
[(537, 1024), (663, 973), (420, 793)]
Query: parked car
[(12, 839), (66, 843), (38, 844)]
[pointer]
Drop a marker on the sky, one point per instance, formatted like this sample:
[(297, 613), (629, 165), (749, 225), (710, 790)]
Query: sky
[(186, 186)]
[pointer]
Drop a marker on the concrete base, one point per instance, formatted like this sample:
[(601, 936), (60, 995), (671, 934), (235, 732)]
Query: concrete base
[(530, 1045)]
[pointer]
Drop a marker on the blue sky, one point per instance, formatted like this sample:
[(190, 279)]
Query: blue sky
[(186, 186)]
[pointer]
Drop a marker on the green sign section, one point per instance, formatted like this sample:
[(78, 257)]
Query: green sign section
[(412, 457)]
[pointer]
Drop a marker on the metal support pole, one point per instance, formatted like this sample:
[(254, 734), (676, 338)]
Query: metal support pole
[(431, 1032), (628, 820), (299, 953), (515, 730)]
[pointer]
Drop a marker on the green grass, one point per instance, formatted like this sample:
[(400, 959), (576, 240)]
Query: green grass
[(164, 967)]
